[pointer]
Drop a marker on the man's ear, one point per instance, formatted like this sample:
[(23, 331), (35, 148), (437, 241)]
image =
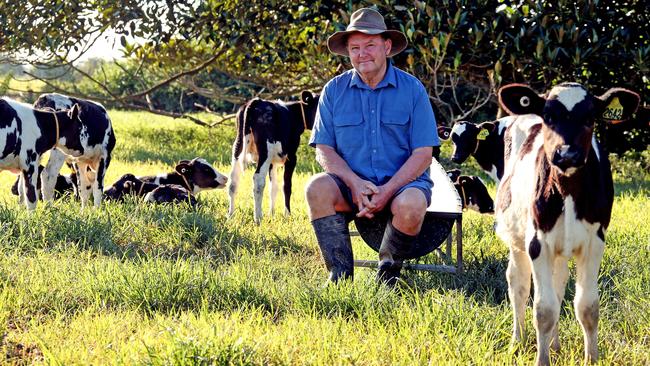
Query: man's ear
[(183, 167), (388, 44), (619, 104), (518, 99)]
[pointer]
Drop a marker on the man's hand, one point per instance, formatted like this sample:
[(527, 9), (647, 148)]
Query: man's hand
[(362, 190), (378, 202)]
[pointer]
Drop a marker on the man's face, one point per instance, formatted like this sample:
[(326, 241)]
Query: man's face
[(368, 52)]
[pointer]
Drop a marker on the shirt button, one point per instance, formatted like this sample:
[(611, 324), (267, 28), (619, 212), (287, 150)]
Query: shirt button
[(373, 150), (373, 131), (372, 111)]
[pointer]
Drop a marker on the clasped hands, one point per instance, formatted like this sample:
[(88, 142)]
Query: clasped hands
[(369, 198)]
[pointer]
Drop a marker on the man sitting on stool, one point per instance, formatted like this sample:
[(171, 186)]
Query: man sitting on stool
[(374, 134)]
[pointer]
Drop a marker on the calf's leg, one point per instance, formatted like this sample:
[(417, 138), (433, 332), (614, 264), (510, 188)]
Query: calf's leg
[(518, 276), (546, 307), (98, 183), (50, 173), (586, 300), (85, 183), (233, 184), (560, 276), (29, 179), (275, 186), (289, 167), (259, 181)]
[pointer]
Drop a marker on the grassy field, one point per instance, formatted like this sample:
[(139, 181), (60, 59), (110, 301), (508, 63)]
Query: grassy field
[(131, 283)]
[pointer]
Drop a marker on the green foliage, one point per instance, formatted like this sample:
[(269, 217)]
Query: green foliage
[(461, 50)]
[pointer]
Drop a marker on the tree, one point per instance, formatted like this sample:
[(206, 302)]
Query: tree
[(231, 50)]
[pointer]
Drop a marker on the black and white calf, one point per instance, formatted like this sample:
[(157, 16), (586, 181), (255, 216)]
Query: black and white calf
[(128, 185), (555, 202), (87, 143), (483, 141), (25, 134), (268, 133), (472, 191), (65, 184), (196, 175), (170, 193)]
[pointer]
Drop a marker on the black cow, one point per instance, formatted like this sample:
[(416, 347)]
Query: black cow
[(65, 184), (170, 193), (25, 134), (196, 175), (472, 191), (555, 202), (128, 185), (268, 133), (87, 143)]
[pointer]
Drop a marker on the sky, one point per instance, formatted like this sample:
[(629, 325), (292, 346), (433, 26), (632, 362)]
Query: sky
[(107, 47)]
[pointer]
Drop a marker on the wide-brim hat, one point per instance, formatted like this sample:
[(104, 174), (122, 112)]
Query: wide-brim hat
[(366, 21)]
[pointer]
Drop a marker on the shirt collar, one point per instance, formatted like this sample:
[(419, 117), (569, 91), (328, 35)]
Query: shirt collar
[(389, 78)]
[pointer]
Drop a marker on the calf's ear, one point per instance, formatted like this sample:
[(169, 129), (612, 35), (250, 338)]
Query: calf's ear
[(463, 180), (183, 167), (453, 174), (485, 129), (520, 99), (618, 104), (444, 132), (73, 113), (306, 96)]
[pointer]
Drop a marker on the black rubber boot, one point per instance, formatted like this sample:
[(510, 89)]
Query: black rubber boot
[(333, 238), (393, 243)]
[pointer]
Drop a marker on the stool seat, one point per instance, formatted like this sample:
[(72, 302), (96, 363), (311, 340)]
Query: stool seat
[(445, 210), (435, 230)]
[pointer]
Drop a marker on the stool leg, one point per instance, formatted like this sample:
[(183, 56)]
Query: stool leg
[(459, 245)]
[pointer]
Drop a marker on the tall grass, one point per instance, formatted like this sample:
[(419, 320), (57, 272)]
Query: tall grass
[(130, 283)]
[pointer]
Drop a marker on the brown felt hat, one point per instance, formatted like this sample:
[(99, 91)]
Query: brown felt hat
[(366, 21)]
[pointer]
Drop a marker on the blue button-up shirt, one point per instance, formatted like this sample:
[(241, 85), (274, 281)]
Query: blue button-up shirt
[(376, 130)]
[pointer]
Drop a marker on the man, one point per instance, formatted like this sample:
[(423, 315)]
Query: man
[(374, 133)]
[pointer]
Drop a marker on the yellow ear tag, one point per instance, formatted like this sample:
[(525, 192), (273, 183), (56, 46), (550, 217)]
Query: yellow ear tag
[(614, 111), (483, 134)]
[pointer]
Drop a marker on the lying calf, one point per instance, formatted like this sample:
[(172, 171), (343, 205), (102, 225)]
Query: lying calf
[(472, 191), (65, 184), (128, 184), (170, 193), (195, 175)]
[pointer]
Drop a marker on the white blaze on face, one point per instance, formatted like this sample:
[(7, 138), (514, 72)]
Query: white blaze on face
[(458, 129), (568, 95)]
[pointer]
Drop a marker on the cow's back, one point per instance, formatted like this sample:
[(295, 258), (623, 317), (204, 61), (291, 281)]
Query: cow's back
[(95, 126)]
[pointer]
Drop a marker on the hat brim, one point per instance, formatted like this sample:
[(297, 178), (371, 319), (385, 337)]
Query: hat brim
[(337, 41)]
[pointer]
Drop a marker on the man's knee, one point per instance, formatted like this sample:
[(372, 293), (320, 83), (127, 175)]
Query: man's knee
[(321, 189), (410, 205)]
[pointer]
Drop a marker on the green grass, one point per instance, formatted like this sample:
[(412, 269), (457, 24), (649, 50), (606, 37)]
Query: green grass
[(139, 284)]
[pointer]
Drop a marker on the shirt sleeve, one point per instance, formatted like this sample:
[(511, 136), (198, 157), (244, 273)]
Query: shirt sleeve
[(424, 131), (323, 131)]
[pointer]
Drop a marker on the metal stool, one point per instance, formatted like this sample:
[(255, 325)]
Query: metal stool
[(445, 210)]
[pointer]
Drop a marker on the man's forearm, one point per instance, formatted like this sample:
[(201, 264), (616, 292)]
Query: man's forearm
[(414, 166), (333, 163)]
